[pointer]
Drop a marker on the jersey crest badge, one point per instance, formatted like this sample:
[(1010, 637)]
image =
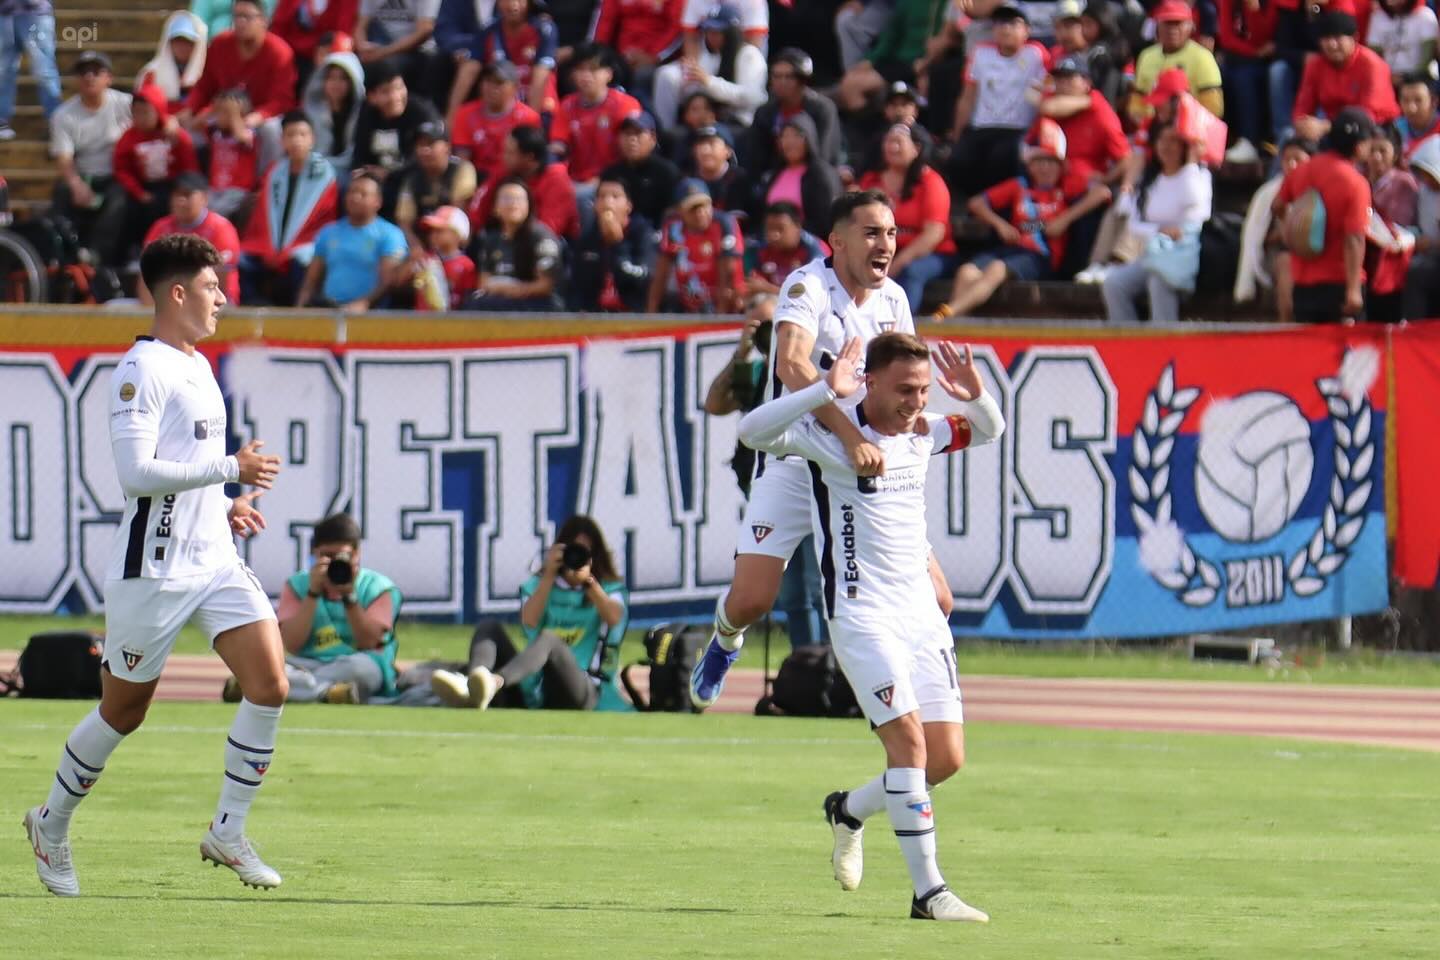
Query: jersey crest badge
[(132, 657), (796, 291), (127, 392), (885, 694), (761, 531)]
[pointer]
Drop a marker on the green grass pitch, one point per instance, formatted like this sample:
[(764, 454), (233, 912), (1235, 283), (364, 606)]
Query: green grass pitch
[(435, 833)]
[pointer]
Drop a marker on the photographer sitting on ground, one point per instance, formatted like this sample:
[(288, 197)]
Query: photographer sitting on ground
[(338, 621), (574, 615)]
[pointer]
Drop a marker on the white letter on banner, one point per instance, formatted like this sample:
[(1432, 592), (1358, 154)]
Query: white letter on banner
[(35, 529), (627, 474), (519, 404), (967, 502), (719, 505), (404, 407), (100, 501), (293, 399), (1064, 528)]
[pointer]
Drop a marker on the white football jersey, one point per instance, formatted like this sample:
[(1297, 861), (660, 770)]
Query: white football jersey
[(813, 298), (870, 532), (170, 399)]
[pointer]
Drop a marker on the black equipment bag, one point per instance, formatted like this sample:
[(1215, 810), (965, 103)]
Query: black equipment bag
[(810, 684), (62, 665), (671, 650)]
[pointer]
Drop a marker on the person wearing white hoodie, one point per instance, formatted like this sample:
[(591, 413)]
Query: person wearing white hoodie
[(1422, 282), (179, 58), (332, 100)]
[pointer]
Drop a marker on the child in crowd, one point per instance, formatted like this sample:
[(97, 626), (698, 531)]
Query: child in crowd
[(446, 276), (234, 158), (788, 247)]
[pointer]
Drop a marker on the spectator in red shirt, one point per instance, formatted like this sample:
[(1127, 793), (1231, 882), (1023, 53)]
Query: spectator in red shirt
[(482, 125), (788, 247), (525, 37), (302, 24), (585, 133), (189, 214), (701, 249), (1418, 121), (1330, 287), (643, 32), (250, 58), (234, 158), (1095, 143), (552, 192), (924, 245), (1246, 37), (447, 231), (1041, 205), (148, 158), (1343, 74)]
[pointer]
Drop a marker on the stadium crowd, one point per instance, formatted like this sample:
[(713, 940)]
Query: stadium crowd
[(660, 155)]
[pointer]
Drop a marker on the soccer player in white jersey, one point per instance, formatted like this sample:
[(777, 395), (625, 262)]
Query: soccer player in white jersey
[(822, 305), (174, 560), (891, 639)]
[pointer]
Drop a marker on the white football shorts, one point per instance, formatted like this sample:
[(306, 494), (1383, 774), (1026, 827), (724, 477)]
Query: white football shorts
[(897, 668), (777, 517), (143, 616)]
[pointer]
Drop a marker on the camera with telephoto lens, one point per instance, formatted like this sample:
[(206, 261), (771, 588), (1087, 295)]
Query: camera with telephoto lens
[(341, 571), (764, 332), (576, 556)]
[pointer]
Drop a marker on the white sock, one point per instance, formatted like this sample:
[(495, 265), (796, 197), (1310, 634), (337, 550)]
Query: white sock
[(729, 637), (248, 751), (908, 803), (81, 762), (866, 800)]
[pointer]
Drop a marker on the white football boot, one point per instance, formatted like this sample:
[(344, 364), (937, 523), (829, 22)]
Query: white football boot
[(240, 857), (52, 859)]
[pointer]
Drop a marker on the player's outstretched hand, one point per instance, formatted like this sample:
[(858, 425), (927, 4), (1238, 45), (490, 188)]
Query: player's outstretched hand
[(257, 469), (959, 376), (244, 518), (843, 378)]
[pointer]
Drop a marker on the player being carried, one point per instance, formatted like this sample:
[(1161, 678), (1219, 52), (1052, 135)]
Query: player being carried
[(822, 305), (890, 637), (174, 560)]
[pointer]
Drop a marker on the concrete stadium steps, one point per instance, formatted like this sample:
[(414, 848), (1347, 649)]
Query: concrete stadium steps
[(1377, 716)]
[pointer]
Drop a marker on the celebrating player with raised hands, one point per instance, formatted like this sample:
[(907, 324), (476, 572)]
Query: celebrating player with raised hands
[(822, 305), (890, 637), (174, 560)]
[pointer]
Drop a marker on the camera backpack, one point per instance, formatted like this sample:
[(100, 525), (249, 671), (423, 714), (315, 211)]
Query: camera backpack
[(810, 684), (671, 650), (61, 665)]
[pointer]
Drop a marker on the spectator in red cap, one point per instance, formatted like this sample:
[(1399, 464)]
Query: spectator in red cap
[(1042, 205), (1175, 48), (1343, 74), (1246, 38), (1330, 282), (1095, 144), (446, 231)]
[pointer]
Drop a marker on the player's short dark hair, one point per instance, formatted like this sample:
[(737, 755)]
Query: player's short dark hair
[(295, 116), (531, 142), (890, 348), (784, 208), (842, 211), (336, 528), (176, 256)]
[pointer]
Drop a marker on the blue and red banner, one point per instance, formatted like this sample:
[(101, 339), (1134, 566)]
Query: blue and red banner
[(1147, 484)]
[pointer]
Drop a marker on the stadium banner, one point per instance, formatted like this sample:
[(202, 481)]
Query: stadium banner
[(1149, 483), (1416, 351)]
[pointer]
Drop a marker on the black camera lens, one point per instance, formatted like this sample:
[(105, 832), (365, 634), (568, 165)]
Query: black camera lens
[(576, 556), (761, 338), (341, 571)]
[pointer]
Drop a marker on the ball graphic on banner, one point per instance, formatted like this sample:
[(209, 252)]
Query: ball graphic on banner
[(1253, 465)]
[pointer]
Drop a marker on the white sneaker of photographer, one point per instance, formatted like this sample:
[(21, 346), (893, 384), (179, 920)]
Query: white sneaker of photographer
[(52, 858), (240, 857), (450, 687), (483, 685)]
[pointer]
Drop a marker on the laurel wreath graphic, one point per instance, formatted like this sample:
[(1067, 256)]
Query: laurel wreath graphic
[(1193, 579)]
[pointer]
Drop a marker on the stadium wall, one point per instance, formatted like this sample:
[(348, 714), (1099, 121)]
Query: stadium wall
[(1151, 482)]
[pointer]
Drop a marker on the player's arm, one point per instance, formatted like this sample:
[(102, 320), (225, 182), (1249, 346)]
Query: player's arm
[(982, 422), (796, 324), (772, 427)]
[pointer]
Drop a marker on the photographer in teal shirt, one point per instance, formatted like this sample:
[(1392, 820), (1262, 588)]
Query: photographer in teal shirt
[(574, 613), (338, 621)]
